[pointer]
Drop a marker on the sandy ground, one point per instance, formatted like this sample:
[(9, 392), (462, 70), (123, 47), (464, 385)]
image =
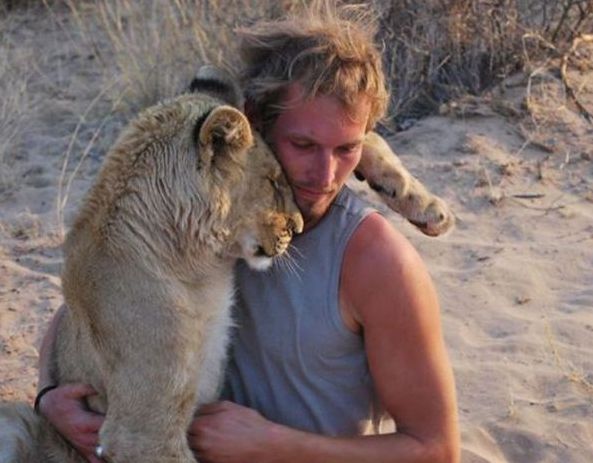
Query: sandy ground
[(515, 277)]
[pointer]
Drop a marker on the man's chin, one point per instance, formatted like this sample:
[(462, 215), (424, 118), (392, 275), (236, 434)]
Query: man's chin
[(312, 212)]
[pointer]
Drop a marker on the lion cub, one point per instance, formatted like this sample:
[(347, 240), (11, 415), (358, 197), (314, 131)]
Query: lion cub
[(187, 189)]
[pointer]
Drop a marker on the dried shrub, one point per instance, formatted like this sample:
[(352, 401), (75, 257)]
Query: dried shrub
[(438, 50), (434, 51)]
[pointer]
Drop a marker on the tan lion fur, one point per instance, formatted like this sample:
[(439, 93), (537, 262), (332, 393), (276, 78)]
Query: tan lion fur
[(400, 190), (19, 426), (148, 277)]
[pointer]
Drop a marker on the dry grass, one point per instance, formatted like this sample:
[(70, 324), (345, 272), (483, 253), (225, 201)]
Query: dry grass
[(25, 226), (573, 373), (434, 50), (16, 105), (437, 50)]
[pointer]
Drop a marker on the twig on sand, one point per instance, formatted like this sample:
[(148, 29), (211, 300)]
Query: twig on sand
[(546, 209), (529, 195)]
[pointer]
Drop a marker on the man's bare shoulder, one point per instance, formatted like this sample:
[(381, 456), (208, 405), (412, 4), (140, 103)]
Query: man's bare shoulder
[(381, 265), (377, 250)]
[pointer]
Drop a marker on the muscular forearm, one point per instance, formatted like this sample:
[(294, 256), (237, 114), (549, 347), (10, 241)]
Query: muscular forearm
[(289, 446), (232, 433), (47, 344)]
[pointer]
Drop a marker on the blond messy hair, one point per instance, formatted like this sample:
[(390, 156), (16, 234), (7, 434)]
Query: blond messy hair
[(326, 49)]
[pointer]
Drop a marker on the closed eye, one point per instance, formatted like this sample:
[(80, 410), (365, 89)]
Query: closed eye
[(274, 183), (302, 145), (348, 149)]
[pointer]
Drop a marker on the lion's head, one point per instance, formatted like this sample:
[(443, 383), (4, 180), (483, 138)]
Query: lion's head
[(187, 181), (262, 214)]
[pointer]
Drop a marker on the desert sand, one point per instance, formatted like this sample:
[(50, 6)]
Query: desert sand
[(515, 277)]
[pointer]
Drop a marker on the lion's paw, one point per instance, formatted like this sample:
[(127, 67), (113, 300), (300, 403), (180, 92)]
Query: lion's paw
[(399, 190), (435, 219)]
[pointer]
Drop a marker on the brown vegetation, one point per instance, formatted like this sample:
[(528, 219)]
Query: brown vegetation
[(438, 50)]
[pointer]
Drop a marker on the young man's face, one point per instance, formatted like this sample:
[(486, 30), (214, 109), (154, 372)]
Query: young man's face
[(318, 143)]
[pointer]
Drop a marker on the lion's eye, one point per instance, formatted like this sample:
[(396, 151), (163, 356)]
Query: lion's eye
[(274, 183)]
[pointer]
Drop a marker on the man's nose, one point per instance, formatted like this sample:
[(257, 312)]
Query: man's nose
[(325, 169)]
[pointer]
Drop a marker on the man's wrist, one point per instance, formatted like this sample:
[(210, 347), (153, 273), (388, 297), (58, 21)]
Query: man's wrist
[(285, 444)]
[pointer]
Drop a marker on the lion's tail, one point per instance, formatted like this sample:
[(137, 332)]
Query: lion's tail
[(19, 429)]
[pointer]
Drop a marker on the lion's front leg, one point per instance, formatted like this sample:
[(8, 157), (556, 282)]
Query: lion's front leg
[(148, 350), (148, 415), (403, 193)]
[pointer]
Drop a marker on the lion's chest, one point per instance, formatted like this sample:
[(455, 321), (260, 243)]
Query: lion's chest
[(211, 333)]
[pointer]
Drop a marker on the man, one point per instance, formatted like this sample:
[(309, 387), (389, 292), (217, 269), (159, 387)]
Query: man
[(357, 324)]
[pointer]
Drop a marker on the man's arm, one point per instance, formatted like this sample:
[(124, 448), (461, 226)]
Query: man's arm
[(387, 290), (64, 407), (47, 346), (387, 294)]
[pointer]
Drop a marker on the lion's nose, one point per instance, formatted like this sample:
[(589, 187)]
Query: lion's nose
[(261, 252)]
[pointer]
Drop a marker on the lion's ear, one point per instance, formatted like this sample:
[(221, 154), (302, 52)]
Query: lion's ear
[(225, 131)]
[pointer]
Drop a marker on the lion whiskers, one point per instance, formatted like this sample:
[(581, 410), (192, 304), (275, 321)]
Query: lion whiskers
[(288, 261)]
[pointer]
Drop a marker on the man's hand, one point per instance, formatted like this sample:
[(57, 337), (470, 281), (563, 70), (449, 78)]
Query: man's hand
[(65, 409), (224, 432)]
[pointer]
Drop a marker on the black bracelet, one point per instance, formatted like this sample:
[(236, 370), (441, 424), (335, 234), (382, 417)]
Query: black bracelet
[(40, 394)]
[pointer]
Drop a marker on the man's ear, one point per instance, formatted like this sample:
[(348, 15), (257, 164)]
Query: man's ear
[(224, 134)]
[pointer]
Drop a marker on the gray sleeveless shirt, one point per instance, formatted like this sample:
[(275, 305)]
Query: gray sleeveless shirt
[(292, 357)]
